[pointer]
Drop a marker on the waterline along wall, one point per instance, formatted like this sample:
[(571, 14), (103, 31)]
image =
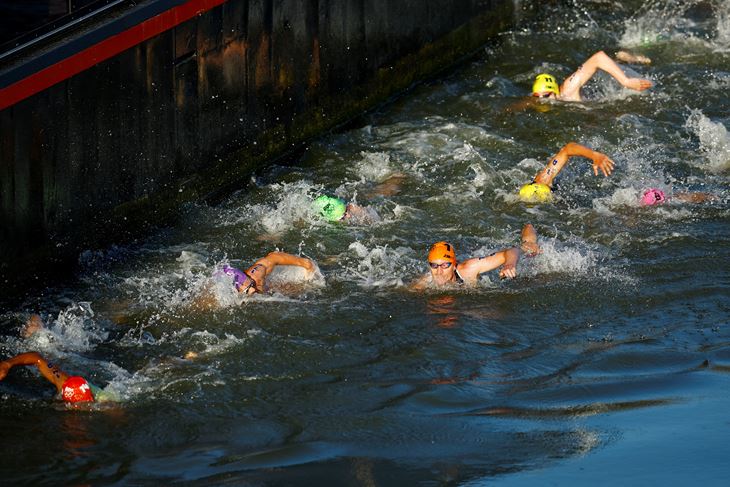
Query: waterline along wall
[(106, 128)]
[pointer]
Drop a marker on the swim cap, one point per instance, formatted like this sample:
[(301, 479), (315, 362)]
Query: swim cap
[(240, 278), (653, 196), (536, 193), (545, 82), (442, 250), (76, 389), (332, 209)]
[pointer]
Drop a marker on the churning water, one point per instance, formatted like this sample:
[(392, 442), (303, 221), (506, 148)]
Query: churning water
[(606, 361)]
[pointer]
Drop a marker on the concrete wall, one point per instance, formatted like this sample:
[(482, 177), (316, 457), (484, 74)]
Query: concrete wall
[(116, 148)]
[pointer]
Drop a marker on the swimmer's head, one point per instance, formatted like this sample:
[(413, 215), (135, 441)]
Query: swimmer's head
[(653, 196), (544, 85), (76, 389), (442, 251), (330, 208), (536, 193), (241, 280)]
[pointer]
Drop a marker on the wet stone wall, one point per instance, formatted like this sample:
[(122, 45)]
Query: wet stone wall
[(190, 113)]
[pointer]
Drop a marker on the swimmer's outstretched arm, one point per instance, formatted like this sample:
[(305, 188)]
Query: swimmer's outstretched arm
[(571, 149), (52, 373), (507, 259), (570, 90)]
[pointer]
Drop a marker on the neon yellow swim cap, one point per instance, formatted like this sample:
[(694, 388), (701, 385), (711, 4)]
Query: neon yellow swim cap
[(536, 193), (545, 82), (332, 209)]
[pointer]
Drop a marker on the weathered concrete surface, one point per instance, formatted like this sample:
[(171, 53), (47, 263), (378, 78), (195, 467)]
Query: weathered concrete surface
[(193, 111)]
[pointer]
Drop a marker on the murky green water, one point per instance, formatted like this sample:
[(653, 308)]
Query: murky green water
[(606, 361)]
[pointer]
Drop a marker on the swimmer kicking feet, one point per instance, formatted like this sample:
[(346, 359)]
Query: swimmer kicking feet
[(540, 189), (546, 86), (72, 389), (446, 271)]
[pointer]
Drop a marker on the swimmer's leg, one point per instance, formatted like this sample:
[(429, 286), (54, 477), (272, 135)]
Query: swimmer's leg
[(528, 242)]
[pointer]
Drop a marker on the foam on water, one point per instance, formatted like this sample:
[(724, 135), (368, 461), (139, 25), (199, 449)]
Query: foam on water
[(73, 330), (379, 266)]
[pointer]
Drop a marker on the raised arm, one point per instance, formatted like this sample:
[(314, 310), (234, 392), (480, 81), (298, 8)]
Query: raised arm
[(265, 265), (52, 373), (571, 149), (570, 90)]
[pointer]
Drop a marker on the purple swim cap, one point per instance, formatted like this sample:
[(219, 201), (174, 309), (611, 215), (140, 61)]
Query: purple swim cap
[(653, 196), (240, 278)]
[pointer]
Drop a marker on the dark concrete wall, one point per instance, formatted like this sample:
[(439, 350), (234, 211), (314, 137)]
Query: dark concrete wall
[(197, 108)]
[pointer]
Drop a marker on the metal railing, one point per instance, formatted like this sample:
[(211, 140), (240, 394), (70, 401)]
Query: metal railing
[(30, 22)]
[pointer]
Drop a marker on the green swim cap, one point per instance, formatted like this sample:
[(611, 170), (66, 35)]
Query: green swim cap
[(332, 209)]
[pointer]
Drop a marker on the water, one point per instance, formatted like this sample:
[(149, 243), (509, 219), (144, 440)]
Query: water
[(606, 361)]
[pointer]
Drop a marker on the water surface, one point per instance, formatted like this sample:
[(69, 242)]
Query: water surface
[(606, 361)]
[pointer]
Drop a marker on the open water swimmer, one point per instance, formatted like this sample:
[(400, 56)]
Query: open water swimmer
[(546, 85), (405, 360), (540, 190), (71, 389), (445, 270)]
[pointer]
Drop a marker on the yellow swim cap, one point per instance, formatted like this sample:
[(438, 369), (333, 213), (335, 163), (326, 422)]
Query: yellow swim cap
[(536, 193), (545, 82)]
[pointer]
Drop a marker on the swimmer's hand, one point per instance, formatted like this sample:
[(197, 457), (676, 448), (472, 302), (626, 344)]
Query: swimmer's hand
[(602, 162), (638, 84), (508, 271)]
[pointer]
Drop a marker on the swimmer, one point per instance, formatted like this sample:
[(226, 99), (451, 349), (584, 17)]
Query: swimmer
[(654, 196), (336, 209), (546, 85), (72, 389), (445, 270), (540, 190), (253, 279)]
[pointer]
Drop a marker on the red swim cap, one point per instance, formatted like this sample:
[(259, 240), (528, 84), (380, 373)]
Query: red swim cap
[(76, 389)]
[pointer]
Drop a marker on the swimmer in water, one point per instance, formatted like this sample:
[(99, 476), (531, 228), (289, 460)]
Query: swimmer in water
[(335, 209), (253, 279), (73, 389), (540, 189), (654, 196), (445, 270), (546, 85)]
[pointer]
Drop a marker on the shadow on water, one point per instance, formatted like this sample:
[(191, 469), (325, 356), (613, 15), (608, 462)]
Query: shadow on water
[(606, 360)]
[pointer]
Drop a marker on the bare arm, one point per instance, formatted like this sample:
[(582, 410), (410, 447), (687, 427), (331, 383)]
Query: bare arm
[(265, 265), (471, 268), (52, 373), (571, 149), (570, 90)]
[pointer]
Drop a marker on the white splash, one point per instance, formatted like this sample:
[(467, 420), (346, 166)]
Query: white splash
[(714, 141)]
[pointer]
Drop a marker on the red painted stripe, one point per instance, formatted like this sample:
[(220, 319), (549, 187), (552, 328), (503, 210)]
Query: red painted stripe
[(102, 51)]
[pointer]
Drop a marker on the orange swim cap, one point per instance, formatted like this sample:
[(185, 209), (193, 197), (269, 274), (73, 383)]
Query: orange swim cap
[(442, 250)]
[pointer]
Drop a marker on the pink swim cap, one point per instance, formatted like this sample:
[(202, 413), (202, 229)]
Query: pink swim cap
[(653, 196)]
